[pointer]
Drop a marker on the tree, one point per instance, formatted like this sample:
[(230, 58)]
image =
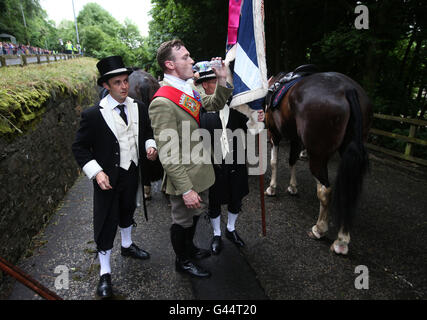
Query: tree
[(38, 30), (101, 35), (201, 25)]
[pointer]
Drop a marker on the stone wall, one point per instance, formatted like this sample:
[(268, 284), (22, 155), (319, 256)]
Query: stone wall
[(36, 170)]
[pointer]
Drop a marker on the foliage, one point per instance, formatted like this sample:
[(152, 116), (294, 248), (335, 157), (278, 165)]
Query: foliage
[(388, 59), (201, 25), (101, 35), (23, 96), (39, 32)]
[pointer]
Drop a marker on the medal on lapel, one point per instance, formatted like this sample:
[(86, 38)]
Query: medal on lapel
[(184, 101)]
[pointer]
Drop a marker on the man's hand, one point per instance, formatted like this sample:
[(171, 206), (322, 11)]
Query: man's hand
[(103, 181), (261, 115), (192, 200), (220, 73), (151, 154)]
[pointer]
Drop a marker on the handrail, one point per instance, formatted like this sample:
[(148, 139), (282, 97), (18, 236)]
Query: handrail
[(23, 60), (418, 122), (25, 279), (410, 139)]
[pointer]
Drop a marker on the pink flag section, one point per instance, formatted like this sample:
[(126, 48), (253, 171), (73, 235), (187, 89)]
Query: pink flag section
[(233, 20)]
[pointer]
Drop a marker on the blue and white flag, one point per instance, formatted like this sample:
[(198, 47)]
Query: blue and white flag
[(250, 70)]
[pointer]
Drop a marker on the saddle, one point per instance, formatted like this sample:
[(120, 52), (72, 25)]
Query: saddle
[(277, 90)]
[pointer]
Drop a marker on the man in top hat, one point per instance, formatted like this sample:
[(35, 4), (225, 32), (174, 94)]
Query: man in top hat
[(108, 146)]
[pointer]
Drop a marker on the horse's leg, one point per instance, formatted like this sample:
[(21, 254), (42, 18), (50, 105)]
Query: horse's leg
[(293, 157), (321, 226), (320, 171), (340, 246), (271, 190)]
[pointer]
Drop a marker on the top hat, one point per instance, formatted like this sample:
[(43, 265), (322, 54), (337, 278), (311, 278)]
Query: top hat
[(110, 67), (205, 71)]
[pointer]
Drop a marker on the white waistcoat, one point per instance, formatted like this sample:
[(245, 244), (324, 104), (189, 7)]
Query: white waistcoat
[(127, 141)]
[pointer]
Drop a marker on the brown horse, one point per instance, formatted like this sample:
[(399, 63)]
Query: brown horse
[(324, 113)]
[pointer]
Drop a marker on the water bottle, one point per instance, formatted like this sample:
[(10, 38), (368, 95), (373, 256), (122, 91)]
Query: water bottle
[(217, 64), (204, 66)]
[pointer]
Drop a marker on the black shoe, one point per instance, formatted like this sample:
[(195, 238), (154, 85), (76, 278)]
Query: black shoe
[(104, 289), (186, 266), (234, 237), (135, 252), (216, 244)]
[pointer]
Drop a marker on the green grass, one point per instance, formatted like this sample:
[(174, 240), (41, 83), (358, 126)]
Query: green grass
[(24, 91)]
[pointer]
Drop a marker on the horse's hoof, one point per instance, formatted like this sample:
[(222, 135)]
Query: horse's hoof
[(340, 247), (303, 155), (314, 234), (311, 235), (270, 192), (293, 191)]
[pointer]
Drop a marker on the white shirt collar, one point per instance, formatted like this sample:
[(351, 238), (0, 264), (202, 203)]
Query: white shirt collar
[(113, 103), (179, 84)]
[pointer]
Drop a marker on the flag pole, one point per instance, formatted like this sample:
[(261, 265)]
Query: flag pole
[(248, 13), (261, 187)]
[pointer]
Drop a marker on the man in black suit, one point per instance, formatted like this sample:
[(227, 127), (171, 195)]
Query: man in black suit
[(231, 176), (109, 147)]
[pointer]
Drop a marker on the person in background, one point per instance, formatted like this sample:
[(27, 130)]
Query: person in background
[(68, 47), (231, 178)]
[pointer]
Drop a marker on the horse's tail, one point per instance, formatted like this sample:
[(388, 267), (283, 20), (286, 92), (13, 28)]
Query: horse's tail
[(353, 166)]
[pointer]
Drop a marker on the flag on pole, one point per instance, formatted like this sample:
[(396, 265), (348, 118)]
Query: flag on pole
[(250, 69), (249, 72)]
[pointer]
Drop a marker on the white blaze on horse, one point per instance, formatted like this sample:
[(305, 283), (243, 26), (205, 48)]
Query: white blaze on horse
[(323, 113)]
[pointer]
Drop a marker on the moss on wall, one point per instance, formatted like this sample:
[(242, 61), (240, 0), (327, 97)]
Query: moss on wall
[(25, 91)]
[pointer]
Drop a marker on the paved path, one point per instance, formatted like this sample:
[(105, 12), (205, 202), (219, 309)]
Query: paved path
[(67, 241), (389, 238)]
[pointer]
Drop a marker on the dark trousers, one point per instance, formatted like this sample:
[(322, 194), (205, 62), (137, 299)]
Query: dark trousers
[(215, 208), (122, 208)]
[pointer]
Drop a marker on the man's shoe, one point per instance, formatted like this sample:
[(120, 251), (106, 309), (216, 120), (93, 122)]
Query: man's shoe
[(216, 245), (134, 252), (186, 266), (234, 237), (104, 289)]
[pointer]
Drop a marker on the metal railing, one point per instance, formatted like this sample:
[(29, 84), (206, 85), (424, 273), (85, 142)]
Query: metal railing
[(410, 139), (23, 60), (26, 280)]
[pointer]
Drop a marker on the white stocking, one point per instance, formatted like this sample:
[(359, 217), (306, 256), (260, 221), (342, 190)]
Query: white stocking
[(232, 217), (216, 225), (104, 261), (126, 237)]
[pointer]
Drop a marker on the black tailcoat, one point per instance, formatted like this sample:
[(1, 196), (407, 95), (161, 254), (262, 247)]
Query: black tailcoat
[(95, 140), (231, 180)]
